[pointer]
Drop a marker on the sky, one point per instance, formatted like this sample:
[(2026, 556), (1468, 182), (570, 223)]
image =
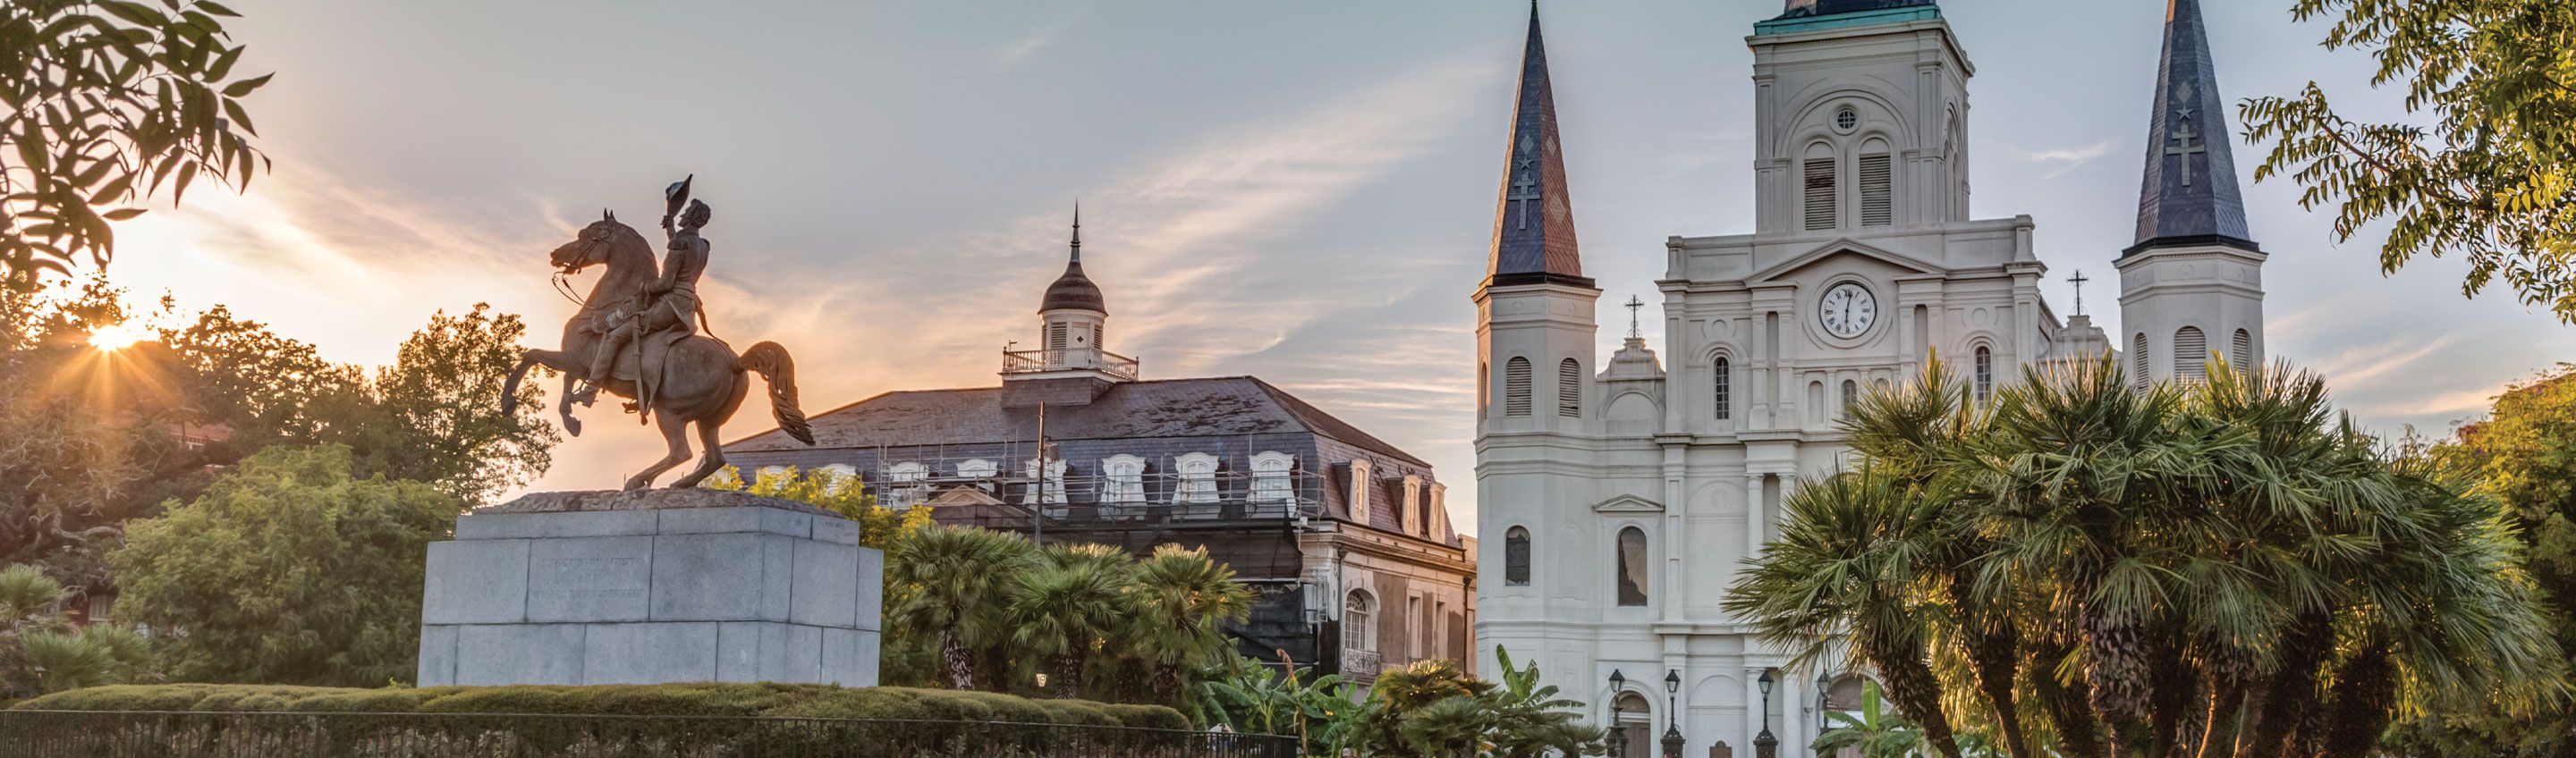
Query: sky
[(1300, 191)]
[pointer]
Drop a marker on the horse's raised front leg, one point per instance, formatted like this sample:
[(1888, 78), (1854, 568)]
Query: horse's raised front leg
[(675, 432), (711, 443), (562, 363)]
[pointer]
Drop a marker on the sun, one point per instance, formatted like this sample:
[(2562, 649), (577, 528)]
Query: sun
[(115, 337)]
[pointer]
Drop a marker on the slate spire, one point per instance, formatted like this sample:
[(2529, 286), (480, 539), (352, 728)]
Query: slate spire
[(1534, 222), (1074, 290), (2190, 196)]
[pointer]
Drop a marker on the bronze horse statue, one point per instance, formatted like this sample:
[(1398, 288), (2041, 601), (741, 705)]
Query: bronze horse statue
[(702, 381)]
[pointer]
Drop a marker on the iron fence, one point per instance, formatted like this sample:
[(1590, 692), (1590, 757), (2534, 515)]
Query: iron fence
[(133, 734)]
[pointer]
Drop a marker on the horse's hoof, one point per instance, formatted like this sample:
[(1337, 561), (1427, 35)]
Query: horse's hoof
[(635, 484), (572, 426)]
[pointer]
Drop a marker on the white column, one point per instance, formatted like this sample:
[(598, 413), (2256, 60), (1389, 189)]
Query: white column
[(1674, 493), (1753, 537)]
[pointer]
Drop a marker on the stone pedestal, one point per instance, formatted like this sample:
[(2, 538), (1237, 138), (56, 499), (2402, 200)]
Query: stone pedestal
[(651, 586)]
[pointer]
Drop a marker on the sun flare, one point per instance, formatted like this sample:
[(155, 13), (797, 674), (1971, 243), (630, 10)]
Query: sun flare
[(115, 337)]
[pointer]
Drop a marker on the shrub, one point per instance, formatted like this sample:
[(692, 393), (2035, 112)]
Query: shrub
[(692, 699)]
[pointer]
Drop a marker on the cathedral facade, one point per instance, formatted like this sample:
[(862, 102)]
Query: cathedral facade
[(1619, 497)]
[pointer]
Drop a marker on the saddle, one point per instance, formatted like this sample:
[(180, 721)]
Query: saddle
[(650, 350)]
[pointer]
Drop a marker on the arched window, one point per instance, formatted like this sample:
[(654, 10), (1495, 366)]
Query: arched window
[(1985, 369), (1724, 393), (1877, 185), (1516, 387), (1270, 472), (1122, 479), (1516, 557), (837, 476), (1198, 478), (1358, 614), (1851, 397), (2138, 361), (976, 468), (2243, 355), (1636, 717), (2191, 354), (1569, 389), (1632, 566), (904, 480), (1820, 194)]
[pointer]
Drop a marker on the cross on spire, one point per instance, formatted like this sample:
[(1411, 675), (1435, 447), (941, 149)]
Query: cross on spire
[(1634, 304), (2079, 279)]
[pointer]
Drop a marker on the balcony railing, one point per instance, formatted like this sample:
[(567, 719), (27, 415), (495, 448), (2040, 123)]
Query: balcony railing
[(1069, 359)]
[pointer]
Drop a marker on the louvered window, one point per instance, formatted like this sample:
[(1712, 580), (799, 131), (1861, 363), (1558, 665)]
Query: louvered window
[(2191, 354), (1851, 397), (1516, 387), (1725, 393), (2244, 353), (1095, 336), (2138, 360), (1820, 193), (1877, 191), (1569, 389), (1056, 336)]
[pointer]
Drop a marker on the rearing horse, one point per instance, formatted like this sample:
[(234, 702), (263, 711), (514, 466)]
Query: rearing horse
[(702, 382)]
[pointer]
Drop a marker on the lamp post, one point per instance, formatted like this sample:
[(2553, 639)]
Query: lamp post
[(1672, 714), (1765, 745), (1618, 731), (1824, 700)]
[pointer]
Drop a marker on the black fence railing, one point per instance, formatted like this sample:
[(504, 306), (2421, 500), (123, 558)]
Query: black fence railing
[(131, 734)]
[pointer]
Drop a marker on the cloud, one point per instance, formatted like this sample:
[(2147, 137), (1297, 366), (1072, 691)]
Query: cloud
[(2072, 157), (1027, 47)]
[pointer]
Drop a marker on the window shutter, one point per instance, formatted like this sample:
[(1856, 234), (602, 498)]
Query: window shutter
[(1820, 193), (2138, 360), (2191, 354), (1516, 387), (1569, 389), (2243, 356), (1877, 191)]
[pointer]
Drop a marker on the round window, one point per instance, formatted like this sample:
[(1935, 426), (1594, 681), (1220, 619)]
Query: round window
[(1846, 118)]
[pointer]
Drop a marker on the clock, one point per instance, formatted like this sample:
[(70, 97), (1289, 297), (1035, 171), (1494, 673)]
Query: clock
[(1848, 310)]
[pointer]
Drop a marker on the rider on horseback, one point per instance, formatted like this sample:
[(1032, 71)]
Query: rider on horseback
[(665, 304)]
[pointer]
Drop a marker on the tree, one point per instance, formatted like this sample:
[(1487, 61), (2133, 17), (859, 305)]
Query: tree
[(441, 422), (288, 570), (81, 438), (2521, 456), (1183, 599), (1875, 731), (1066, 608), (957, 580), (1430, 708), (30, 604), (2218, 569), (2492, 178), (106, 102), (844, 495)]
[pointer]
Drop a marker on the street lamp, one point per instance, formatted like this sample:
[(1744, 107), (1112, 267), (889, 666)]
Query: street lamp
[(1618, 731), (1824, 690), (1672, 714), (1765, 745)]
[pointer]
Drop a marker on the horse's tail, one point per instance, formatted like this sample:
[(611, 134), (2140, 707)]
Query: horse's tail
[(771, 361)]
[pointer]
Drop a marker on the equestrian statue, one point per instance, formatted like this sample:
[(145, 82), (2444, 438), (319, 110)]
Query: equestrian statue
[(638, 336)]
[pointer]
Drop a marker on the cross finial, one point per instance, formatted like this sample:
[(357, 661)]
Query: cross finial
[(1634, 303), (2079, 279)]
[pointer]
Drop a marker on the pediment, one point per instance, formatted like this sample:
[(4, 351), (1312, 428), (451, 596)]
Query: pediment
[(1839, 247), (1628, 504)]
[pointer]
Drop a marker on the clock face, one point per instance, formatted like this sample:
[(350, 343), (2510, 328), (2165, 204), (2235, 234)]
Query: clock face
[(1848, 310)]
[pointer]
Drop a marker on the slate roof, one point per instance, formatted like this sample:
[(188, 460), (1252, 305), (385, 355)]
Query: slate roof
[(1807, 8), (1535, 243), (2190, 195), (1204, 407)]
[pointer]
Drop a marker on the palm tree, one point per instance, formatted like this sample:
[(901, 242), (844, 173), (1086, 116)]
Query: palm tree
[(1065, 609), (1184, 599), (30, 604), (958, 580)]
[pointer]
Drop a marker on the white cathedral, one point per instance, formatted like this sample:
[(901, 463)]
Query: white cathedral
[(1619, 498)]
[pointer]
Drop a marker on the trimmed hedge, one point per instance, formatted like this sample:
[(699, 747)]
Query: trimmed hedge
[(704, 699)]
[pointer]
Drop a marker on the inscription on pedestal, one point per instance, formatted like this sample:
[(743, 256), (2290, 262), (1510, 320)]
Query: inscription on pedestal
[(590, 579)]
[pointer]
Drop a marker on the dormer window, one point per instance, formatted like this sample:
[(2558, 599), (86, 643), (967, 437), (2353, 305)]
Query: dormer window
[(1198, 478), (1412, 515), (1122, 479), (1270, 472), (1359, 499)]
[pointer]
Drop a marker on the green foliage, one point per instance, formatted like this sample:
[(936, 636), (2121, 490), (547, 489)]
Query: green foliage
[(2491, 178), (1066, 608), (102, 103), (957, 583), (1430, 708), (1182, 600), (1246, 696), (90, 657), (843, 494), (2524, 456), (30, 605), (2221, 565), (287, 570), (1875, 731), (697, 699)]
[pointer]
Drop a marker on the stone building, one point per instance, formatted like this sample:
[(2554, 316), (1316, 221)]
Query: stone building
[(1344, 539), (1625, 495)]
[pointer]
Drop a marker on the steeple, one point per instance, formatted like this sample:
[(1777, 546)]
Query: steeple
[(2190, 196), (1074, 290), (1534, 222)]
